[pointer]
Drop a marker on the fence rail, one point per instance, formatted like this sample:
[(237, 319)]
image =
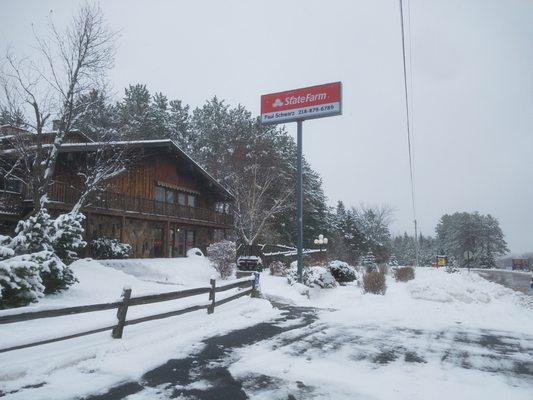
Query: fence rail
[(250, 281)]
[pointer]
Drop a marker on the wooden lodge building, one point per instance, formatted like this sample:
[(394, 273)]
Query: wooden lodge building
[(163, 203)]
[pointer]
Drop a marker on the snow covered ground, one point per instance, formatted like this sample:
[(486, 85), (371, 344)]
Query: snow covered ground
[(440, 336), (90, 364)]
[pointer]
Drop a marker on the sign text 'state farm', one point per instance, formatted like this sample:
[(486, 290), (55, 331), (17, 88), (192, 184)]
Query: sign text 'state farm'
[(300, 104)]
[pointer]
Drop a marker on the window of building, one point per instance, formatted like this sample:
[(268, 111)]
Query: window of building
[(181, 198), (191, 200), (222, 208), (159, 193), (170, 196)]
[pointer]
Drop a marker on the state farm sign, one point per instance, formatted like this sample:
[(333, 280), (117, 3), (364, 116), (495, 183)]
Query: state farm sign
[(299, 104)]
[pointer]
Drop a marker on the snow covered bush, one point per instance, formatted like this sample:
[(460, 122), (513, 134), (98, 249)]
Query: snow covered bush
[(312, 276), (55, 275), (195, 252), (105, 248), (404, 274), (5, 251), (222, 256), (67, 236), (374, 282), (20, 281), (33, 234), (277, 268), (342, 272)]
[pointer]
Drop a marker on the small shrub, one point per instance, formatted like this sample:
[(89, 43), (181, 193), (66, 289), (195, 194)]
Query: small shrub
[(55, 275), (222, 255), (20, 282), (105, 248), (277, 268), (312, 277), (404, 274), (342, 272), (374, 282)]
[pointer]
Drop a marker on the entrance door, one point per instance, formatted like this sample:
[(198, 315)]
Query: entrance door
[(172, 250), (157, 242)]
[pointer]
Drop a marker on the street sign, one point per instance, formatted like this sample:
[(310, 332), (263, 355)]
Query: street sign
[(300, 104), (297, 106)]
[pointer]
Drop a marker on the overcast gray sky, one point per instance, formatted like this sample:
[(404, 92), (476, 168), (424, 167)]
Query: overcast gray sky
[(472, 88)]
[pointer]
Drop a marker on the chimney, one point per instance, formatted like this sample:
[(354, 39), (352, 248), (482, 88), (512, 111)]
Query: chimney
[(56, 123)]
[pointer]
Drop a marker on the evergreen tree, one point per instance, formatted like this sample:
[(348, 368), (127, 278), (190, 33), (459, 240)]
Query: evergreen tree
[(33, 234), (67, 236), (479, 234), (95, 116), (134, 113)]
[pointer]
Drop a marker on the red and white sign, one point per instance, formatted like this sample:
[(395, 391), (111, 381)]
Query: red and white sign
[(299, 104)]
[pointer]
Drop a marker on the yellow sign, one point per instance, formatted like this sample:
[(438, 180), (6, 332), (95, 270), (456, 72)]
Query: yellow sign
[(442, 261)]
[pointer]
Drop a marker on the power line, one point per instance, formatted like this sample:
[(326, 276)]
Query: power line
[(408, 116)]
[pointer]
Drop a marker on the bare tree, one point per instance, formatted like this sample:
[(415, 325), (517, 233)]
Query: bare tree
[(253, 203), (72, 62), (107, 161)]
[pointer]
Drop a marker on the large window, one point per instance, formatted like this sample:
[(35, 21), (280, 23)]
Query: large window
[(159, 193), (172, 196)]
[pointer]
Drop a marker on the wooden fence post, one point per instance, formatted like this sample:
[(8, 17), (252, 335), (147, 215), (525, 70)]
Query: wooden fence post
[(211, 307), (121, 314)]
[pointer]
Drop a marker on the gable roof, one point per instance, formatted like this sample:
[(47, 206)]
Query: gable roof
[(147, 144)]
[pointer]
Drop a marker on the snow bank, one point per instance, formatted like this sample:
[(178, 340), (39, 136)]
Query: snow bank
[(433, 300), (190, 271)]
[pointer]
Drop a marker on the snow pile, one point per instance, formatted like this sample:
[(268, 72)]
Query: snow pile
[(440, 286), (190, 271)]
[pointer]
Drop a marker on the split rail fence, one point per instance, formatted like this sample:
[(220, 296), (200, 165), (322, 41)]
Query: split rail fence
[(247, 280)]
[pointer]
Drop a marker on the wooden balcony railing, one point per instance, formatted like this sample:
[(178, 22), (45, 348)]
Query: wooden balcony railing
[(67, 194), (10, 202)]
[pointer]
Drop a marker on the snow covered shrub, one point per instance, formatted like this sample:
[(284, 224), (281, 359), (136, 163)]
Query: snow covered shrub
[(5, 251), (67, 236), (105, 248), (222, 255), (374, 282), (20, 282), (312, 277), (342, 272), (33, 234), (369, 262), (277, 268), (404, 274), (55, 275), (195, 252)]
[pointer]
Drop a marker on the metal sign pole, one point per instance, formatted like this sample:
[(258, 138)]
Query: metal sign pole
[(299, 202)]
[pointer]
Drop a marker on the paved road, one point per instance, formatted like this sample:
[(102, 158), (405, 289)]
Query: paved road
[(301, 334), (515, 280)]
